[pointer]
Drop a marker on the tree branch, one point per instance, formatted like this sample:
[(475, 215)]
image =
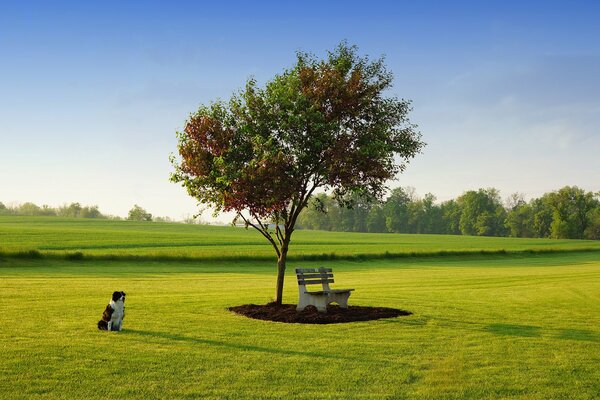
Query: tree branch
[(263, 231), (297, 209), (279, 235)]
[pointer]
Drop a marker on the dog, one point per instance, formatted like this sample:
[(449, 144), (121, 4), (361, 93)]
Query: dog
[(112, 317)]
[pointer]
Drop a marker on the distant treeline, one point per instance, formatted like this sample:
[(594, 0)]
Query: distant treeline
[(73, 210), (76, 210), (569, 213)]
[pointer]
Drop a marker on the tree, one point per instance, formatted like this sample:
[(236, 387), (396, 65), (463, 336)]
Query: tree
[(423, 215), (451, 212), (29, 208), (352, 217), (324, 123), (482, 213), (376, 219), (73, 210), (519, 220), (137, 213), (318, 214), (92, 212), (571, 207), (593, 229), (395, 210), (431, 215), (542, 216)]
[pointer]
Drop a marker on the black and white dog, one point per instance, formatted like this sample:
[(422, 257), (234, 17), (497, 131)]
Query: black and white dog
[(112, 318)]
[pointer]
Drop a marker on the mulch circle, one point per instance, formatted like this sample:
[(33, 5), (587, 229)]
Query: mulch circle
[(335, 315)]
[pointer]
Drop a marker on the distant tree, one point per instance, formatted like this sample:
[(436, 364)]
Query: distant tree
[(593, 229), (137, 213), (376, 219), (4, 209), (514, 201), (432, 215), (482, 213), (168, 219), (395, 210), (324, 123), (541, 210), (73, 210), (416, 216), (451, 212), (47, 211), (352, 217), (29, 209), (423, 215), (315, 215), (90, 212), (519, 220), (571, 207)]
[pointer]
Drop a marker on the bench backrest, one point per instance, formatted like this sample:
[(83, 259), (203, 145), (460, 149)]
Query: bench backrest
[(314, 276)]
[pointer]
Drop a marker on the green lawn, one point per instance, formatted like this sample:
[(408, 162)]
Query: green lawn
[(485, 327), (521, 325), (102, 238)]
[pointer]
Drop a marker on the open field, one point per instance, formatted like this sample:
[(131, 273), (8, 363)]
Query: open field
[(102, 238), (485, 326), (496, 327)]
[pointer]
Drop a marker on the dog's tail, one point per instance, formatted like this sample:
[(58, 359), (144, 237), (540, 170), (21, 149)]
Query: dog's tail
[(102, 325)]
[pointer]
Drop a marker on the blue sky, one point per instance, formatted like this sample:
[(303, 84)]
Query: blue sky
[(506, 94)]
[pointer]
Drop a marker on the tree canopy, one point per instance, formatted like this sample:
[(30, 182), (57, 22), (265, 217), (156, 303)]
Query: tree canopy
[(323, 123), (138, 213)]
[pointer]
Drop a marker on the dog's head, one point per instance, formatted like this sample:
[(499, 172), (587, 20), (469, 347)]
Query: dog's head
[(118, 296)]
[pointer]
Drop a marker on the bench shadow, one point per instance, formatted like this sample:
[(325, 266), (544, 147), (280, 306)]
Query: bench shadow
[(579, 334), (514, 330), (236, 346)]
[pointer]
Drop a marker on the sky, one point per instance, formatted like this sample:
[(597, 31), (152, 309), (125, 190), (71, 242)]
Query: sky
[(505, 93)]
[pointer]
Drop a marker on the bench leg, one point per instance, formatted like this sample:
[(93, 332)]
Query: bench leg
[(302, 303), (341, 299), (344, 300), (321, 305), (307, 300)]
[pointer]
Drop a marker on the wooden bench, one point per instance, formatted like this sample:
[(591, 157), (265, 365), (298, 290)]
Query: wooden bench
[(320, 299)]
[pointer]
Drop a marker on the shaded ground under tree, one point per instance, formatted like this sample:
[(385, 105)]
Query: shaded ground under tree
[(334, 315)]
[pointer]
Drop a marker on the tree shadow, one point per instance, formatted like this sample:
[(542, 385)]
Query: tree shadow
[(579, 334), (236, 346), (514, 330), (413, 320)]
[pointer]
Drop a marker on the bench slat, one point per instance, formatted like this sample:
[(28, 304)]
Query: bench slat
[(314, 281), (334, 291), (311, 276), (313, 270)]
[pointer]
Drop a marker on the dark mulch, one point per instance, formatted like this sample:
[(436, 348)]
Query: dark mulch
[(310, 315)]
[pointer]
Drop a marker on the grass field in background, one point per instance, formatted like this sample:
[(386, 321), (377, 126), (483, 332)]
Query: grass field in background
[(103, 238), (518, 327)]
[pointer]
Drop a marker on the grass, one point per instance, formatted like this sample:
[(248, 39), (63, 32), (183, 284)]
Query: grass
[(35, 237), (518, 326), (525, 327)]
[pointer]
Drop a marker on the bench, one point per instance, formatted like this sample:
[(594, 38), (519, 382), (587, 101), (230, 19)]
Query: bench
[(320, 299)]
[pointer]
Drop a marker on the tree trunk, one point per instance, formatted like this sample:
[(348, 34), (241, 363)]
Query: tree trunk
[(280, 278), (281, 274)]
